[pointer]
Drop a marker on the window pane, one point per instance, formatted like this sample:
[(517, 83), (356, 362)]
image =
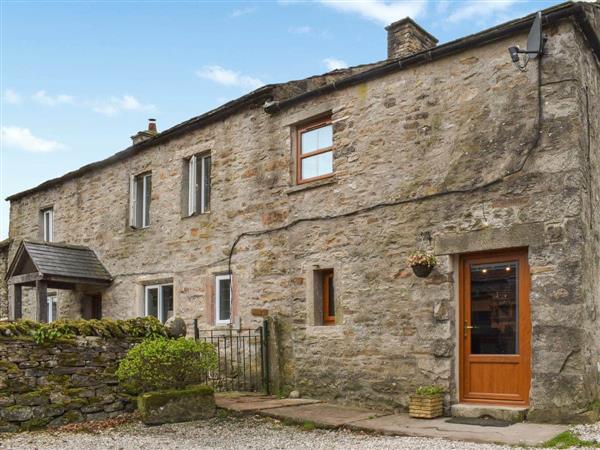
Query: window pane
[(206, 183), (152, 302), (224, 300), (192, 186), (139, 193), (317, 165), (318, 138), (331, 296), (167, 302), (494, 309), (148, 179)]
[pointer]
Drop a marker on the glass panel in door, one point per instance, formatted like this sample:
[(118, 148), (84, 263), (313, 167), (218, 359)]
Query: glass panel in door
[(494, 308)]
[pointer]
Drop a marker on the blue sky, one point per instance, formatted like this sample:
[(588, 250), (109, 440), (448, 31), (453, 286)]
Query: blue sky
[(79, 78)]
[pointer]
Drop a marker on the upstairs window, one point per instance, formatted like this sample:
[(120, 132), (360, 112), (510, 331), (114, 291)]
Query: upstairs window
[(141, 192), (158, 301), (223, 299), (315, 150), (198, 184), (48, 224)]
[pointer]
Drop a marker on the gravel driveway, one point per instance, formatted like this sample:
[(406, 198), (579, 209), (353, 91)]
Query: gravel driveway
[(224, 433)]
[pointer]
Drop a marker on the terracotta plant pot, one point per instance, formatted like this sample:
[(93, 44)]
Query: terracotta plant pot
[(426, 406), (422, 270)]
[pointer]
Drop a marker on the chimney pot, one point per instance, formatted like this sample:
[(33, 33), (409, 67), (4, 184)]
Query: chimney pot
[(406, 37), (152, 125)]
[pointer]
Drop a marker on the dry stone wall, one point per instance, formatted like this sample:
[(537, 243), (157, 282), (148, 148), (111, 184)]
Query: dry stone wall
[(62, 382)]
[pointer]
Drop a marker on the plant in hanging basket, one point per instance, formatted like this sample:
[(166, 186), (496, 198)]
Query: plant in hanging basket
[(427, 402), (422, 263)]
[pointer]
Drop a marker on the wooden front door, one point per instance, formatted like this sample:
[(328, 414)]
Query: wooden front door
[(495, 328)]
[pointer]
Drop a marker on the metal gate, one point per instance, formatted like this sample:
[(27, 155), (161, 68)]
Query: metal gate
[(243, 358)]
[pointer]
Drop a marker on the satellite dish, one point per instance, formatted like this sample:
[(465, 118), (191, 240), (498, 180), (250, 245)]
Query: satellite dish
[(535, 45), (535, 42)]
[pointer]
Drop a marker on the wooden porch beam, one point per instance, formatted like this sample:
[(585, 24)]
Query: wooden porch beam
[(41, 289), (15, 302), (25, 278)]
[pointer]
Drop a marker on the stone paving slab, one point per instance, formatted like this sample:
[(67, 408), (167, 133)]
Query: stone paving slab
[(403, 425), (360, 419), (257, 402), (323, 414)]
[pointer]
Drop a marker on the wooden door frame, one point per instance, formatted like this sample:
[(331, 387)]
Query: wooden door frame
[(520, 254)]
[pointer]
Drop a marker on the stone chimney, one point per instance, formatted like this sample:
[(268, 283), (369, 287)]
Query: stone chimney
[(406, 37), (142, 136)]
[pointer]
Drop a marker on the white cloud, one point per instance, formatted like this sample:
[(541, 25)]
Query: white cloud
[(12, 97), (478, 10), (334, 63), (384, 12), (242, 11), (52, 100), (228, 77), (304, 29), (23, 139), (115, 105)]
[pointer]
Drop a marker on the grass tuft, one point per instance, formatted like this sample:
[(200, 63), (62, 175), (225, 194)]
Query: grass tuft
[(567, 439)]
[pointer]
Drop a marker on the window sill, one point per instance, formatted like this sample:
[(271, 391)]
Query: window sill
[(204, 214), (324, 329), (313, 185)]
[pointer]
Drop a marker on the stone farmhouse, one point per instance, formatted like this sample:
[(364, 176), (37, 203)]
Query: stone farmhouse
[(301, 201)]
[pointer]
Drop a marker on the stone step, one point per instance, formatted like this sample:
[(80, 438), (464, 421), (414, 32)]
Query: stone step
[(498, 412)]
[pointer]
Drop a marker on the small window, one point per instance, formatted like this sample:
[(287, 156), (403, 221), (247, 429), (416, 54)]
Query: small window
[(324, 297), (141, 192), (52, 308), (158, 301), (48, 224), (315, 151), (198, 184), (328, 298), (223, 300)]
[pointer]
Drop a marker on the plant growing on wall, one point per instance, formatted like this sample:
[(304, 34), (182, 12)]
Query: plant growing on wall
[(422, 263), (160, 364)]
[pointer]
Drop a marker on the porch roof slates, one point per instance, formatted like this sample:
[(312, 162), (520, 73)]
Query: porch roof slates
[(66, 261)]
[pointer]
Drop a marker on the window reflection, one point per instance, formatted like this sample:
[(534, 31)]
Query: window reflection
[(494, 308)]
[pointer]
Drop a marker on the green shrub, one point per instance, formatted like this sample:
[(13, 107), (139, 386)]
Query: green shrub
[(430, 391), (159, 364)]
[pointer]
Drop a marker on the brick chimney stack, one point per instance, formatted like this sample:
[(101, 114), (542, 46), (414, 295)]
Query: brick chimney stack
[(142, 136), (406, 37)]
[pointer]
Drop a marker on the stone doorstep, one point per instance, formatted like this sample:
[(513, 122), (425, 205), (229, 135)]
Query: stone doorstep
[(500, 412)]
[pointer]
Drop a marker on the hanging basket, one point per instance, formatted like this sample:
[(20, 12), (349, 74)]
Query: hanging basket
[(422, 270)]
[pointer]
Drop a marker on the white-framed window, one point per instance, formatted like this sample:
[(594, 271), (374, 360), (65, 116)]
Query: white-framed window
[(48, 224), (198, 188), (158, 301), (223, 299), (140, 192), (52, 308)]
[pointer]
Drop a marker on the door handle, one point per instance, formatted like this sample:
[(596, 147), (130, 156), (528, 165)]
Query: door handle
[(469, 327)]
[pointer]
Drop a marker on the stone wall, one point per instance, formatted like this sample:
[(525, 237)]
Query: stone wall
[(59, 383), (588, 86), (4, 248), (418, 137)]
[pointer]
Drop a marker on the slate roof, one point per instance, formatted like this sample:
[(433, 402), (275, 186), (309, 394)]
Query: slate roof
[(63, 260)]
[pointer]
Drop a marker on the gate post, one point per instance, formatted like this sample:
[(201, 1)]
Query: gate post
[(265, 357)]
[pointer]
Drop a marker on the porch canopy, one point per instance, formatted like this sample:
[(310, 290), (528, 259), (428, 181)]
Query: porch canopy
[(44, 265)]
